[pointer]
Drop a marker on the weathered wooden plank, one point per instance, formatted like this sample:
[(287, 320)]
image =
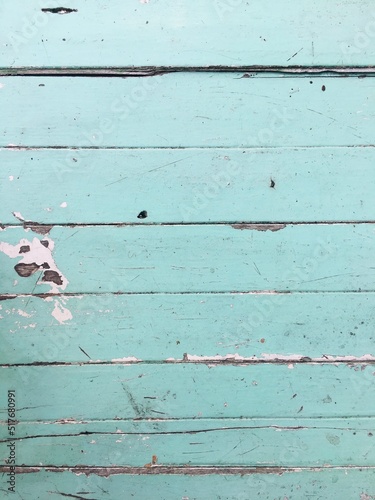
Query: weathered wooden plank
[(187, 390), (319, 484), (224, 442), (219, 185), (186, 110), (228, 32), (155, 327), (188, 258)]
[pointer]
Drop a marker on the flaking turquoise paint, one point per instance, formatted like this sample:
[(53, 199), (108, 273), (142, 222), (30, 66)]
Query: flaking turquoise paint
[(187, 278)]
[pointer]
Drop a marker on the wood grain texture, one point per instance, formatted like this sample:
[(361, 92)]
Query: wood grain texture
[(193, 258), (213, 110), (198, 443), (227, 32), (187, 390), (294, 485), (199, 185), (157, 327)]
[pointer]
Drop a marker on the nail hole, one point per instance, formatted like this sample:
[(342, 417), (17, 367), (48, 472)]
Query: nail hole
[(142, 215), (323, 88)]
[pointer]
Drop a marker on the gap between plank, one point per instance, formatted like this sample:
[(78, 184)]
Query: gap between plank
[(11, 296), (211, 361), (241, 225), (177, 470), (145, 71)]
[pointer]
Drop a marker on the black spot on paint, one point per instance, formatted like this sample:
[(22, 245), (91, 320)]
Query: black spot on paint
[(26, 270), (45, 243), (52, 276), (24, 249), (323, 88), (142, 215), (272, 184)]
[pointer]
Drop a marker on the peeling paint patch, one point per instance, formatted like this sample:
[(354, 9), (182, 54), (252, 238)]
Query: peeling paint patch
[(365, 496), (36, 256)]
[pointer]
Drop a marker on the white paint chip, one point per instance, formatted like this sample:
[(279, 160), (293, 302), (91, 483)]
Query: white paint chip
[(61, 313), (2, 85), (19, 216), (11, 178), (63, 204), (24, 314), (130, 359)]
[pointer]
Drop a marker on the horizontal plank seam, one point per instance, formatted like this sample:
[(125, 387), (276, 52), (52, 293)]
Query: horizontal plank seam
[(194, 420), (175, 470), (186, 420), (225, 362), (246, 225), (11, 296), (184, 432), (144, 71), (21, 147)]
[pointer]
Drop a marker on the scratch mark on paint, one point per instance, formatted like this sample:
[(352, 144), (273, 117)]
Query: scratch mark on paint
[(294, 55), (84, 352)]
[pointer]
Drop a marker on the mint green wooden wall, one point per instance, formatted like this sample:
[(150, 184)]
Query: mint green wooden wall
[(187, 241)]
